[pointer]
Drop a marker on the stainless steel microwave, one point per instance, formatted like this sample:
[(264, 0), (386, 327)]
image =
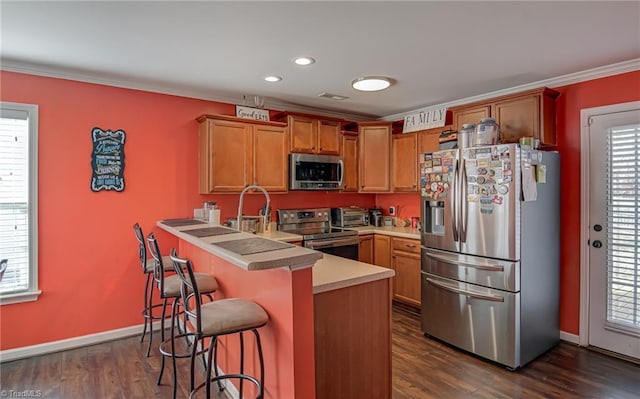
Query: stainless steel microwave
[(315, 172)]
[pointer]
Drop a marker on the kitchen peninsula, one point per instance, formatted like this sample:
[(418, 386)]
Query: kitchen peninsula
[(329, 333)]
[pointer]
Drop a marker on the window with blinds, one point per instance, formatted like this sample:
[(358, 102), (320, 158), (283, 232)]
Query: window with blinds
[(623, 218), (18, 260)]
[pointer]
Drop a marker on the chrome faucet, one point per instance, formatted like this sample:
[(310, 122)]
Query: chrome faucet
[(265, 221)]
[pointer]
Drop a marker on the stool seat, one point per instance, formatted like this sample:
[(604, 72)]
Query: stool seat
[(230, 315), (150, 264), (206, 282)]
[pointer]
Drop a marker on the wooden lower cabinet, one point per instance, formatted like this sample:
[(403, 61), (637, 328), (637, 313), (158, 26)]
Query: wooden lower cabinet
[(382, 251), (365, 248), (405, 260), (353, 342)]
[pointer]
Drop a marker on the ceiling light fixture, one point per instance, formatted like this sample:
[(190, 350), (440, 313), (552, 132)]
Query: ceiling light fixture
[(273, 78), (371, 83), (304, 61)]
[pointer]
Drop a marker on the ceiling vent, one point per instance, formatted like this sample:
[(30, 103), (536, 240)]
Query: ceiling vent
[(332, 96)]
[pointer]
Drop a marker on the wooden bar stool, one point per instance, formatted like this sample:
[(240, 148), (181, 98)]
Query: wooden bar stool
[(170, 288), (215, 319), (148, 266)]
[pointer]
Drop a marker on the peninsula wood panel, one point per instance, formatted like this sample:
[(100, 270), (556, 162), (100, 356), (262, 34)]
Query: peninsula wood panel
[(353, 342)]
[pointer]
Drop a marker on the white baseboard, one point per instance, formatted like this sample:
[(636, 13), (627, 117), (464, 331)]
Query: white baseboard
[(71, 343), (574, 339)]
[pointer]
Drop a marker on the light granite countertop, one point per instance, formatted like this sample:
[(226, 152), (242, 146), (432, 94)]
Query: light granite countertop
[(293, 257), (334, 272), (329, 272)]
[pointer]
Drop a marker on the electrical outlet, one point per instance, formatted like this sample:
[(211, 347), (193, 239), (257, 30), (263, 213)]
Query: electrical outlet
[(392, 210)]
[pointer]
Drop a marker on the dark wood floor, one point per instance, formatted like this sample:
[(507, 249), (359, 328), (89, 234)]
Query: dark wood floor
[(422, 368)]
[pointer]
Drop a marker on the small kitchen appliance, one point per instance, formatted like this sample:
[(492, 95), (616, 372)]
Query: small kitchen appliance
[(375, 217), (352, 216)]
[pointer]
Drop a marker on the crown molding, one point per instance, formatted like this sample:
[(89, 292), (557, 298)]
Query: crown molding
[(127, 83), (281, 105), (572, 78)]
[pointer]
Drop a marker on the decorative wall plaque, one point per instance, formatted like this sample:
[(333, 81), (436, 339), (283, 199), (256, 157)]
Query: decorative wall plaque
[(107, 160)]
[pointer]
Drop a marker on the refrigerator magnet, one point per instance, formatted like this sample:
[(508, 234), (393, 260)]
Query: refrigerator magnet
[(503, 189), (486, 210)]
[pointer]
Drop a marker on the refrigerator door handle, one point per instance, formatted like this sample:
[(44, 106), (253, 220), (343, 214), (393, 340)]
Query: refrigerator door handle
[(480, 266), (438, 284), (454, 204), (464, 204)]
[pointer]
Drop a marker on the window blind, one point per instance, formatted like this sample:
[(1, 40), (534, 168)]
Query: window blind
[(623, 233), (14, 200)]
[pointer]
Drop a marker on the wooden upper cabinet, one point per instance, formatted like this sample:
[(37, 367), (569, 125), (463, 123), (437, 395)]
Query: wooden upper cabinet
[(313, 136), (234, 153), (328, 137), (470, 115), (303, 134), (349, 152), (532, 113), (429, 140), (374, 156), (270, 157), (404, 156)]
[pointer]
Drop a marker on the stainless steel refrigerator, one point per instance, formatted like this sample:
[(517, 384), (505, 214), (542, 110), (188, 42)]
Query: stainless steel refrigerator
[(490, 250)]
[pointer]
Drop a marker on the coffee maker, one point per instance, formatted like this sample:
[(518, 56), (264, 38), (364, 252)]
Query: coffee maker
[(375, 217)]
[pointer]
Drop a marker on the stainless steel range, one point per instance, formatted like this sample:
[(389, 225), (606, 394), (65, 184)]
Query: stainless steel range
[(317, 233)]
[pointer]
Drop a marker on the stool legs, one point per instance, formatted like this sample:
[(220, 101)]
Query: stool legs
[(146, 308)]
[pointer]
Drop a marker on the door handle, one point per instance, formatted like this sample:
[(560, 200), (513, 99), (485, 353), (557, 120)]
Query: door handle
[(597, 244)]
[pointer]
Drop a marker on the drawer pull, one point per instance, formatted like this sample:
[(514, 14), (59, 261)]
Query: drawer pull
[(492, 268), (467, 293)]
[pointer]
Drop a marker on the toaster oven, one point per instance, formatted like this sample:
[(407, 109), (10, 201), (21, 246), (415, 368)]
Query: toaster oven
[(352, 216)]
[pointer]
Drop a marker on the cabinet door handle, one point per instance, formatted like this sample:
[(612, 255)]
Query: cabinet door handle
[(410, 245), (320, 148)]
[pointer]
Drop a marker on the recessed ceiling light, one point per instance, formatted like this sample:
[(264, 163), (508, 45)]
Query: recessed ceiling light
[(273, 78), (304, 61), (371, 83)]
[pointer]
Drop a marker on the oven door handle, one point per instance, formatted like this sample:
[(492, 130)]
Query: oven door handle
[(338, 242)]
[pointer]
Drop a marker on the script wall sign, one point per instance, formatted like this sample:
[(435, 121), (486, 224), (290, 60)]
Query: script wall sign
[(107, 160)]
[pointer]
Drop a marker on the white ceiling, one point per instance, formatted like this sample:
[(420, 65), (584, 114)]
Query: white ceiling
[(437, 52)]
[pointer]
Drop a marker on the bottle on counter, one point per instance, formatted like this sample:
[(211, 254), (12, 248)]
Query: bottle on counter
[(213, 212)]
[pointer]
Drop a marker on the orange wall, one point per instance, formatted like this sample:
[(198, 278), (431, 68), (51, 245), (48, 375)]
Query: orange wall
[(88, 270), (611, 90), (87, 263), (594, 93)]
